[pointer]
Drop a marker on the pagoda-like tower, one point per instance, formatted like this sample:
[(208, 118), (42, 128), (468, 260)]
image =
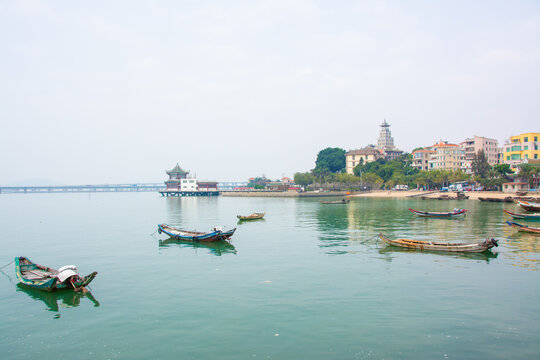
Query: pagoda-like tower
[(175, 175), (385, 140)]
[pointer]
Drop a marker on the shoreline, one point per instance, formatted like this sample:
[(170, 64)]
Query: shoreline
[(473, 195)]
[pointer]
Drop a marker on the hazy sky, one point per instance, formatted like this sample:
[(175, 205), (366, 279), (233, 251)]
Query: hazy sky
[(119, 91)]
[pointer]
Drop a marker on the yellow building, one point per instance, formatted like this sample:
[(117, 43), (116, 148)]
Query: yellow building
[(520, 148), (365, 155), (447, 157), (421, 157)]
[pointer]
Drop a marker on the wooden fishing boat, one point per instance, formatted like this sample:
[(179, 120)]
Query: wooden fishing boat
[(342, 201), (524, 228), (523, 215), (529, 206), (456, 212), (226, 235), (45, 278), (477, 247), (508, 199), (253, 216), (187, 235)]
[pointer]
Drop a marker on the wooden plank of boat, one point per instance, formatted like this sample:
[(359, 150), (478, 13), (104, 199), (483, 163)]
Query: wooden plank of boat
[(529, 206), (44, 278), (441, 246), (343, 201), (189, 235), (524, 228), (253, 216), (226, 235), (523, 215), (506, 199), (456, 212)]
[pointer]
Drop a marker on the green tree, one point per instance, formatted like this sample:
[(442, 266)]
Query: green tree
[(371, 180), (320, 175), (304, 179), (348, 179), (458, 175), (480, 165), (528, 173), (332, 159), (421, 179), (503, 169)]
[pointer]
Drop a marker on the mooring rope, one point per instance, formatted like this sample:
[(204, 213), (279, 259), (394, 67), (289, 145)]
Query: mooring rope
[(7, 264), (9, 278), (371, 238)]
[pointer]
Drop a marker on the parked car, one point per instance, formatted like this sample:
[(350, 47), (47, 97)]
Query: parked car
[(444, 189)]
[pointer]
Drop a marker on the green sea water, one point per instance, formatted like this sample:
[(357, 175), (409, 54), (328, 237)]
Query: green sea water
[(310, 281)]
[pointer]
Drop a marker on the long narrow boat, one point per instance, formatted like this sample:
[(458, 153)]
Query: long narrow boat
[(253, 216), (342, 201), (45, 278), (524, 228), (456, 212), (226, 235), (507, 199), (441, 246), (529, 206), (189, 235), (523, 216)]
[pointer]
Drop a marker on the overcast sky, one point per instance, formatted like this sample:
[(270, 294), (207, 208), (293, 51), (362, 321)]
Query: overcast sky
[(119, 91)]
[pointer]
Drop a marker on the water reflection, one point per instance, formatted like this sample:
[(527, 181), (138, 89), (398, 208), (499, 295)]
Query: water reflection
[(351, 229), (240, 222), (188, 209), (216, 248), (523, 249), (59, 299)]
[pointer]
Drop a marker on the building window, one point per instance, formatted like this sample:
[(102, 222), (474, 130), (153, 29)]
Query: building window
[(536, 156), (536, 138), (526, 147), (526, 139)]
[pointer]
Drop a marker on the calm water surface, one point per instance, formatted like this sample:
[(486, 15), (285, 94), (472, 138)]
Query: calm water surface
[(309, 281)]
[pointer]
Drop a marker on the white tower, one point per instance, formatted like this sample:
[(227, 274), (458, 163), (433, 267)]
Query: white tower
[(385, 140)]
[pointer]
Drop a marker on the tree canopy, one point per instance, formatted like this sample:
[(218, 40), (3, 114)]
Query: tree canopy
[(303, 179), (386, 169), (330, 159), (480, 165)]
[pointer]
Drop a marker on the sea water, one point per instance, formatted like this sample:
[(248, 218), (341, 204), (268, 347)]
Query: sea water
[(309, 281)]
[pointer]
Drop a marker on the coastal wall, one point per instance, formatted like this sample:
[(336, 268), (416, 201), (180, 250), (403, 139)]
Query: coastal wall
[(288, 194)]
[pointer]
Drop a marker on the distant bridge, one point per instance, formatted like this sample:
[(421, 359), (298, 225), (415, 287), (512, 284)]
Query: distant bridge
[(82, 188)]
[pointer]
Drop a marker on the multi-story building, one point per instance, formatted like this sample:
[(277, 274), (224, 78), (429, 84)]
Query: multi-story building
[(447, 157), (365, 155), (180, 181), (420, 158), (472, 146), (521, 147), (176, 175), (385, 143)]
